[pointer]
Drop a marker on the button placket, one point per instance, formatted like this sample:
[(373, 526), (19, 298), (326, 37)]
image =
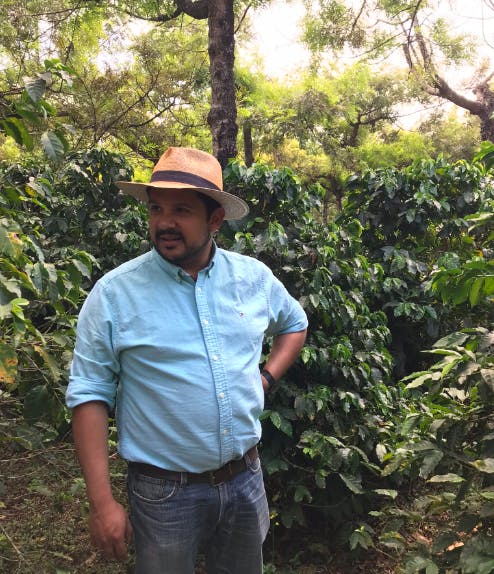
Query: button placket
[(217, 368)]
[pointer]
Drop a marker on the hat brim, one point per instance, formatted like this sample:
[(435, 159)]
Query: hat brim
[(235, 208)]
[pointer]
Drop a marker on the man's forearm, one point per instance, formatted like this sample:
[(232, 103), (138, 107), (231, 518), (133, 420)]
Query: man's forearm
[(90, 429), (284, 351), (109, 524)]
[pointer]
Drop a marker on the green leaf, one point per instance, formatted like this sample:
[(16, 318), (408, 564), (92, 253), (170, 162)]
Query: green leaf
[(17, 130), (476, 291), (419, 381), (36, 402), (281, 423), (52, 145), (35, 88), (452, 340), (417, 563), (16, 307), (393, 540), (352, 482), (484, 465), (386, 492), (409, 424), (450, 477), (477, 556), (360, 538), (302, 493), (6, 246), (28, 115), (314, 299), (50, 362), (292, 514), (429, 463)]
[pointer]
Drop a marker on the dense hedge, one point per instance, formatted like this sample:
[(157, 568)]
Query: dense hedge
[(403, 264)]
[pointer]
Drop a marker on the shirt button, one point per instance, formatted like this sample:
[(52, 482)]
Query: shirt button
[(199, 289), (206, 322), (225, 431), (215, 357), (222, 395)]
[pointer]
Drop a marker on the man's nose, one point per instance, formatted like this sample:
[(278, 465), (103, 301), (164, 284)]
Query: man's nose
[(167, 220)]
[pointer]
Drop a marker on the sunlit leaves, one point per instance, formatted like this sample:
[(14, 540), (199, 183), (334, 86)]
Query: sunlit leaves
[(8, 363), (36, 87), (52, 145), (30, 112), (471, 283)]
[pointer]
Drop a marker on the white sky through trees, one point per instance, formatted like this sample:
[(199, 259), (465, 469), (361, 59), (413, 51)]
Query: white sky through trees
[(276, 31)]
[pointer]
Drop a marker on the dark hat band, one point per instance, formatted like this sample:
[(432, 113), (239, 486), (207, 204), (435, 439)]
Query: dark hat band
[(183, 177)]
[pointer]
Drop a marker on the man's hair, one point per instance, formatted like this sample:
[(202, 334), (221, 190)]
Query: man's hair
[(210, 203)]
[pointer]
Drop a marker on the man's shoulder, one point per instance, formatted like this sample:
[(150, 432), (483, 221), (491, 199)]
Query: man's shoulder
[(243, 262), (136, 265)]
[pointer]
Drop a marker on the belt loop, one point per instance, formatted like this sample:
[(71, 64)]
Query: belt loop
[(183, 479)]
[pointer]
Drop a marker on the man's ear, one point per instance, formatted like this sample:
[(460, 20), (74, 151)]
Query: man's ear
[(216, 219)]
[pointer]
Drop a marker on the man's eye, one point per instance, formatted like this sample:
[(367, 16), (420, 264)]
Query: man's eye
[(153, 208)]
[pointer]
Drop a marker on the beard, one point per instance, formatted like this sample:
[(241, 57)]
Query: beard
[(181, 253)]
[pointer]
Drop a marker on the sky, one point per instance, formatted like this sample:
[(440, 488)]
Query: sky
[(276, 33), (277, 28)]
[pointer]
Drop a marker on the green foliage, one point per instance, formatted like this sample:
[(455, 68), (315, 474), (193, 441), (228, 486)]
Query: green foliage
[(447, 440), (416, 224), (38, 304), (446, 423), (138, 87), (471, 282), (341, 439), (31, 111), (323, 423), (59, 230)]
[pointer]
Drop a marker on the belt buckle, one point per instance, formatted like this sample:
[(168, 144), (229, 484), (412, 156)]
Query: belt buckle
[(212, 479)]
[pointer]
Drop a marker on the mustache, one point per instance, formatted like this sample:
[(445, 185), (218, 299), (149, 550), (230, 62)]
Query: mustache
[(168, 233)]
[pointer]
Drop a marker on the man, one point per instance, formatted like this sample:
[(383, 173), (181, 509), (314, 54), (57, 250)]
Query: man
[(174, 339)]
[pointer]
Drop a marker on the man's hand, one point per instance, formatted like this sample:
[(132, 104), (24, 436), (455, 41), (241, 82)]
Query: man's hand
[(110, 529)]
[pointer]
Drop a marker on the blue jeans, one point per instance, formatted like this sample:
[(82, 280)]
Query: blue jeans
[(172, 522)]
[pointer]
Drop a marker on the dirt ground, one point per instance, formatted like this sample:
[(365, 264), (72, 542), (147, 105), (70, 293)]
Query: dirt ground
[(43, 528)]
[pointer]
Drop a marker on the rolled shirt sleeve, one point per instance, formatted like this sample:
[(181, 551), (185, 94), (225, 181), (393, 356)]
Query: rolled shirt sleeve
[(95, 367)]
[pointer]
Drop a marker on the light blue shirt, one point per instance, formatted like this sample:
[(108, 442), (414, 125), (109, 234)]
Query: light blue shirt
[(181, 357)]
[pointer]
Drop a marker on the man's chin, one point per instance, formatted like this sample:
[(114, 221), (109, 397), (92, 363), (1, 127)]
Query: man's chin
[(169, 255)]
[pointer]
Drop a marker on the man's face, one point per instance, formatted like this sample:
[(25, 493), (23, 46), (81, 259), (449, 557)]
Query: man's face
[(180, 228)]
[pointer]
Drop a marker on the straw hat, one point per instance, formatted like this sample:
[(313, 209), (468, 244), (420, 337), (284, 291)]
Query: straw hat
[(187, 168)]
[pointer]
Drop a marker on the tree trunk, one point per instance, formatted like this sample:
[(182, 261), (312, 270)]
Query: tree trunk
[(223, 113), (248, 146)]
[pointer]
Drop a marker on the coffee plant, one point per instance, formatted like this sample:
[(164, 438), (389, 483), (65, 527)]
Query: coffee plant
[(323, 424), (363, 417), (60, 228)]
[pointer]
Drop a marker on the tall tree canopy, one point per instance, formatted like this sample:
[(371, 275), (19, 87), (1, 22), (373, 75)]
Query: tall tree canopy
[(383, 28), (164, 73)]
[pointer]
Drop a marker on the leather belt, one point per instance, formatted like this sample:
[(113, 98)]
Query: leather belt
[(212, 477)]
